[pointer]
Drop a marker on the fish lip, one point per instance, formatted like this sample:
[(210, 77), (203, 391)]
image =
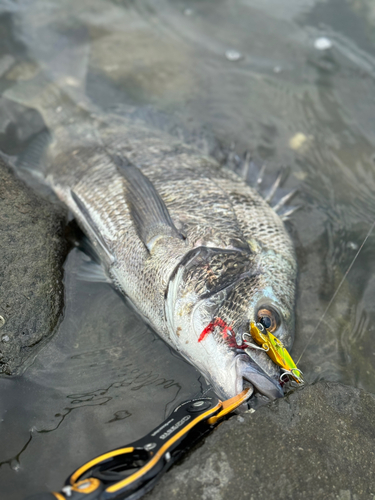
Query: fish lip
[(250, 371)]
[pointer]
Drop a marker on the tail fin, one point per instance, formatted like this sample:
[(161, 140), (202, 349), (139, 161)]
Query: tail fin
[(61, 56)]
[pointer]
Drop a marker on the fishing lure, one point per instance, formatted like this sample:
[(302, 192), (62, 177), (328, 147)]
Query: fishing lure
[(275, 350)]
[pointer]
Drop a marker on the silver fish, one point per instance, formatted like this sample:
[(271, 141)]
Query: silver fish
[(197, 252)]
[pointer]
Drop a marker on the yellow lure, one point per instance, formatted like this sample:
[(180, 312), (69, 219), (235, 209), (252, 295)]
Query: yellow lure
[(275, 350)]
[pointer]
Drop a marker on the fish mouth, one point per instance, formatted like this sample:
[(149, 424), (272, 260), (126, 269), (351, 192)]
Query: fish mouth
[(249, 372)]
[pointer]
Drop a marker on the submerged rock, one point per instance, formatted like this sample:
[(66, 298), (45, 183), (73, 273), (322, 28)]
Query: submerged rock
[(318, 442), (32, 250)]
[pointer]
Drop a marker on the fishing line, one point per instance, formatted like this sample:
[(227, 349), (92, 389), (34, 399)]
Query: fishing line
[(337, 290)]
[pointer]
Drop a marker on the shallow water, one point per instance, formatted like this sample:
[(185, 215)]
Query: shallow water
[(229, 75)]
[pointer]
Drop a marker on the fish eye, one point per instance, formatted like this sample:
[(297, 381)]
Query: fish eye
[(268, 318)]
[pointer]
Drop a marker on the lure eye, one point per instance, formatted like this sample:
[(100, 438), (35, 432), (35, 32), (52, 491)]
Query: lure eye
[(269, 319)]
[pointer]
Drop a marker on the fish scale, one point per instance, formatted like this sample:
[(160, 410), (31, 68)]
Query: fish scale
[(256, 221)]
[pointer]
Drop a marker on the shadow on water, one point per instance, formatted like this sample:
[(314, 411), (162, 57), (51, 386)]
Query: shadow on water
[(248, 75)]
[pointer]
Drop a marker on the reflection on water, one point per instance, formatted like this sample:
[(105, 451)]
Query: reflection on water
[(245, 75)]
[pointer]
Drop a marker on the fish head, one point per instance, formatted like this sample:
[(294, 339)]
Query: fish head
[(213, 298)]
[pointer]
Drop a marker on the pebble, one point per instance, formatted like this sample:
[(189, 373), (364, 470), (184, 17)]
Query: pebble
[(250, 410), (71, 81), (2, 321), (5, 338), (233, 55), (15, 465), (297, 141), (352, 245), (322, 43)]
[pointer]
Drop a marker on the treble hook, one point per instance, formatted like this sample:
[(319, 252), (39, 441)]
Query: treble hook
[(295, 373)]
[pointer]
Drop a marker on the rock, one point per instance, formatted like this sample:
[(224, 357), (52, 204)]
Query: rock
[(32, 250), (318, 442)]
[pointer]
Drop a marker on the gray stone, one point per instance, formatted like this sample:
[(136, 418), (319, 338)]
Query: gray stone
[(32, 250), (317, 443)]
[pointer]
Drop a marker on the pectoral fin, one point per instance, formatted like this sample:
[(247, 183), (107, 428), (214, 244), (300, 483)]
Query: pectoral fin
[(148, 211)]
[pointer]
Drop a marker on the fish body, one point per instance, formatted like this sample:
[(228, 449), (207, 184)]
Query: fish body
[(196, 251)]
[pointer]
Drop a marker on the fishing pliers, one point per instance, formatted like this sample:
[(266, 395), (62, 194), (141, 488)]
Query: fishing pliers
[(132, 470)]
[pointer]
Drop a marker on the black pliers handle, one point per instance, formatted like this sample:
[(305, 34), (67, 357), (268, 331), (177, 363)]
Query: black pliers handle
[(130, 471)]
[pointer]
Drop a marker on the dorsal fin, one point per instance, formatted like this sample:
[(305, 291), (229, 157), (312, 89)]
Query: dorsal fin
[(148, 211)]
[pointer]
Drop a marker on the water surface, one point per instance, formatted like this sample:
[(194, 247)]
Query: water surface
[(230, 76)]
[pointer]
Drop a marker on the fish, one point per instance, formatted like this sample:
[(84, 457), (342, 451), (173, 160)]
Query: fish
[(197, 252)]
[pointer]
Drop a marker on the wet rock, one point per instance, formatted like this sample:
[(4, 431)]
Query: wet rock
[(318, 442), (32, 250)]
